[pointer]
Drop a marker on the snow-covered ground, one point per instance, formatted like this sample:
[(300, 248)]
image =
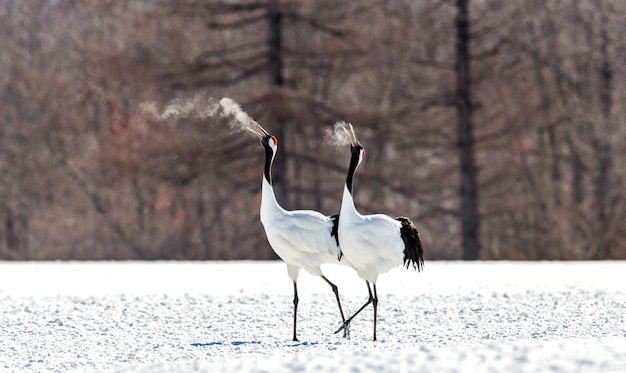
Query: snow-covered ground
[(237, 317)]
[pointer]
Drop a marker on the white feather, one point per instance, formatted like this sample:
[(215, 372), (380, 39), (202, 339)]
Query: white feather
[(301, 237), (371, 243)]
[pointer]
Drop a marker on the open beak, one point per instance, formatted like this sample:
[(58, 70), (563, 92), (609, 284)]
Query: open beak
[(351, 134), (258, 131)]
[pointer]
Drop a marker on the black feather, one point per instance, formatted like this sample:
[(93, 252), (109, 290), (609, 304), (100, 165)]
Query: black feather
[(334, 232), (413, 250)]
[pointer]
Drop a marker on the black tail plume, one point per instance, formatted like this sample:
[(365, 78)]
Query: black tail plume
[(413, 250)]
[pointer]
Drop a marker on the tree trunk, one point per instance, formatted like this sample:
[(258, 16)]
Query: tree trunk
[(470, 220), (602, 146)]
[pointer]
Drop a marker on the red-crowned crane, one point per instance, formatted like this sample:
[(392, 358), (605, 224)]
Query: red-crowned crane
[(302, 238), (373, 244)]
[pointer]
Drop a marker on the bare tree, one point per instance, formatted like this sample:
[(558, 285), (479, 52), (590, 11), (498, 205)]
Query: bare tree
[(470, 220)]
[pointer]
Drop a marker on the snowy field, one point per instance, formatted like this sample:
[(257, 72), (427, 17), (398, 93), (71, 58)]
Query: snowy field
[(237, 317)]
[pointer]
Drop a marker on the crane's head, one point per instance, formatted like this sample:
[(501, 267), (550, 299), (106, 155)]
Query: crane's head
[(267, 140), (355, 145)]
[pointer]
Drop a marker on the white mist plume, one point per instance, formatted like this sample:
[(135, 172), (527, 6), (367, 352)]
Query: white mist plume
[(197, 107), (200, 107), (239, 119), (336, 136)]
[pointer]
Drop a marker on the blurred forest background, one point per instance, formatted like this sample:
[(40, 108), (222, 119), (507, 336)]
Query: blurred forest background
[(497, 126)]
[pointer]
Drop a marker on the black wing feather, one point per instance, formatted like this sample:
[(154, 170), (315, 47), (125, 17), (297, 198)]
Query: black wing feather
[(334, 232)]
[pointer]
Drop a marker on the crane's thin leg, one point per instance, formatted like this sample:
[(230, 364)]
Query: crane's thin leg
[(336, 291), (295, 310), (375, 302), (369, 300)]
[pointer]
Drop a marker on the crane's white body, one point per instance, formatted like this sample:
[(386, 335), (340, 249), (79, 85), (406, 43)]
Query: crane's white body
[(301, 238), (371, 243)]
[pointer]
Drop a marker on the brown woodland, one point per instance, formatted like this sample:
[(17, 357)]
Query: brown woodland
[(497, 126)]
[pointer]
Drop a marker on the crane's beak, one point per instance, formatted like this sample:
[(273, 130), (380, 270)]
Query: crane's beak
[(350, 134), (258, 131)]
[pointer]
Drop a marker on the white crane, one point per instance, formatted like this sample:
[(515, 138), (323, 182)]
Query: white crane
[(373, 244), (302, 238)]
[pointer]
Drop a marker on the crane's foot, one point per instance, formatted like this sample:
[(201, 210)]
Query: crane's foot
[(346, 329)]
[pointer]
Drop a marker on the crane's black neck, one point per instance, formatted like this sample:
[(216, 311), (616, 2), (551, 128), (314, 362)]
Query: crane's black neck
[(354, 163), (269, 159)]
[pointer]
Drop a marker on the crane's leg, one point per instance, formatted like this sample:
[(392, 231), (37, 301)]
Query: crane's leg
[(369, 300), (336, 291), (375, 302), (295, 310)]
